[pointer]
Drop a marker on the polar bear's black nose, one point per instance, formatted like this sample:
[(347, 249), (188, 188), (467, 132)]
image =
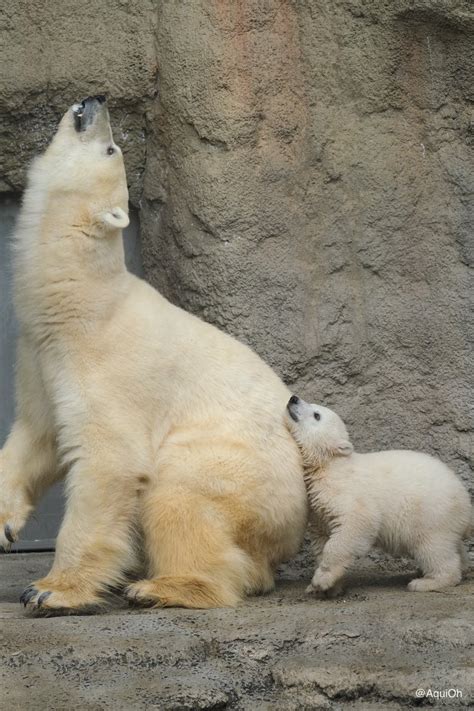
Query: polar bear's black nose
[(293, 400), (90, 99), (85, 112)]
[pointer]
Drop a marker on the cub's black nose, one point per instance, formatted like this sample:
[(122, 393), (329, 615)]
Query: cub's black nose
[(293, 400)]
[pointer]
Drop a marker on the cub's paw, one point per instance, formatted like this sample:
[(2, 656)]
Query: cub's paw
[(43, 598), (323, 580), (432, 584), (325, 584)]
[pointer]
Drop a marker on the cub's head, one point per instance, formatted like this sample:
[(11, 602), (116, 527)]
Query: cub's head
[(319, 432), (83, 167)]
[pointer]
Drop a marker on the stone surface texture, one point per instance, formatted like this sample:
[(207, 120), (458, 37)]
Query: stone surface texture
[(304, 176), (371, 649)]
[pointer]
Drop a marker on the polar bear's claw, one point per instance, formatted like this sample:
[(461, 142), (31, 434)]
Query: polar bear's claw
[(32, 595), (9, 534), (27, 594), (42, 598), (13, 516), (47, 597)]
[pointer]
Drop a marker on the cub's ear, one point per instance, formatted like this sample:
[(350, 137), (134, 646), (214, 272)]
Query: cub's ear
[(116, 218), (344, 448)]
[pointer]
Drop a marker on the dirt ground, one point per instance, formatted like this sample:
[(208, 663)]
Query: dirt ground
[(376, 646)]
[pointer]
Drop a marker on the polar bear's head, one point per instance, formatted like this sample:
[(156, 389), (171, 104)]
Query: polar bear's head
[(83, 168), (319, 432)]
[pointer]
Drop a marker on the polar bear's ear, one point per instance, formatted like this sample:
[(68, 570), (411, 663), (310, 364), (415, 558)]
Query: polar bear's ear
[(344, 448), (115, 218)]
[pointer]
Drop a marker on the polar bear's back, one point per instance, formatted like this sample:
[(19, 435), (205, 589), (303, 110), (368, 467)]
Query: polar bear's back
[(209, 370)]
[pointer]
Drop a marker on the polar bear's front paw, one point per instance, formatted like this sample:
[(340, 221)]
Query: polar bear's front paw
[(45, 597)]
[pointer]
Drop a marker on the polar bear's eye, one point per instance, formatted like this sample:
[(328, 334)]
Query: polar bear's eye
[(317, 416), (110, 150)]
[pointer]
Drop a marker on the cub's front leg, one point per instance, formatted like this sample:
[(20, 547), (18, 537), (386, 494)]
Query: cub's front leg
[(346, 543), (319, 532)]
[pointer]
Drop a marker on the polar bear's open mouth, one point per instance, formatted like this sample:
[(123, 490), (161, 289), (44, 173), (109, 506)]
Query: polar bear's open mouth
[(85, 111)]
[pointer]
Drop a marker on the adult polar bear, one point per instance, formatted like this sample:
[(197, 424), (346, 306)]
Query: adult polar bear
[(158, 420)]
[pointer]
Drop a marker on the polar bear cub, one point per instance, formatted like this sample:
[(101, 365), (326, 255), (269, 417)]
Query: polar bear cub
[(406, 503)]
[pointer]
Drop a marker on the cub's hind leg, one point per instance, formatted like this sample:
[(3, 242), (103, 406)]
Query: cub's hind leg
[(441, 564)]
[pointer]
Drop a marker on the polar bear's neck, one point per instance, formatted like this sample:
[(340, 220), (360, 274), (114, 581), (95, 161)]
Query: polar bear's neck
[(66, 276)]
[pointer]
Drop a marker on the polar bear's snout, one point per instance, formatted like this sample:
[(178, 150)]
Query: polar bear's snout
[(298, 409), (292, 407), (85, 112)]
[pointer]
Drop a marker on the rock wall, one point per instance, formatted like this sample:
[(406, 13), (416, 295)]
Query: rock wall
[(51, 53), (304, 173)]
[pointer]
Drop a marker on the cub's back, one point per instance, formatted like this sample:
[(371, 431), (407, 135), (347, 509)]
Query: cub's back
[(394, 483), (414, 489), (407, 470)]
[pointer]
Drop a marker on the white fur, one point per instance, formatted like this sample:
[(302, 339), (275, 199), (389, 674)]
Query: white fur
[(158, 420), (405, 502)]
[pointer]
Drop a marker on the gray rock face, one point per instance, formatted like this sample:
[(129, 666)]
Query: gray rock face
[(304, 173), (52, 54), (314, 200)]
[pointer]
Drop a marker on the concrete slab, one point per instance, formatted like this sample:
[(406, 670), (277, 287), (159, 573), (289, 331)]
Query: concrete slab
[(374, 647)]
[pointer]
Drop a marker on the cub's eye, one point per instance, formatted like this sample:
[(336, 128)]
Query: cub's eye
[(317, 416), (110, 150)]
